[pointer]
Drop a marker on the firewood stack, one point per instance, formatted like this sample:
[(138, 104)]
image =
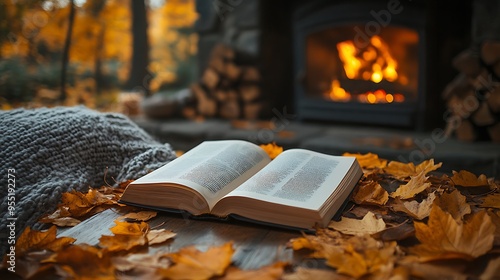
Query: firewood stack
[(473, 97), (228, 88)]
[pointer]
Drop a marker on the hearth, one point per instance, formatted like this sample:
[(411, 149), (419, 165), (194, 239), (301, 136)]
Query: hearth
[(361, 62)]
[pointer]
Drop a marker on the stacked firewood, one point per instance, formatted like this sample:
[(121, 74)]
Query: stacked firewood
[(473, 97), (228, 88)]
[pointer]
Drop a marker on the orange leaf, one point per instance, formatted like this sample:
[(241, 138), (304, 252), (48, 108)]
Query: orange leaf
[(467, 179), (157, 236), (417, 210), (272, 149), (140, 216), (127, 228), (371, 193), (270, 272), (455, 204), (368, 161), (122, 242), (32, 240), (404, 170), (492, 201), (189, 263), (84, 262), (368, 225), (445, 238)]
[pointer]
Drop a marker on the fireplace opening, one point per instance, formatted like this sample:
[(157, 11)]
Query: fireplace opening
[(379, 69), (352, 68)]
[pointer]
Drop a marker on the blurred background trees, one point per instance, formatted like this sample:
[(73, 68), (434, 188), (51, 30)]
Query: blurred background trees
[(114, 46)]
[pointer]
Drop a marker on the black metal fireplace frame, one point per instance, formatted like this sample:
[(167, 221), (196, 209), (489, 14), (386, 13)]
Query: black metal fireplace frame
[(320, 15)]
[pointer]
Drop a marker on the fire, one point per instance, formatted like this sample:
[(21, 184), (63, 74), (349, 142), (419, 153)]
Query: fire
[(374, 63)]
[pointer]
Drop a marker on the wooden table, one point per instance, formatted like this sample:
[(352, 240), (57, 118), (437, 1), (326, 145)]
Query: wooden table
[(255, 245)]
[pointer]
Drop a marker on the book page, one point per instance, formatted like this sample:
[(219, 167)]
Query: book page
[(298, 178), (213, 168)]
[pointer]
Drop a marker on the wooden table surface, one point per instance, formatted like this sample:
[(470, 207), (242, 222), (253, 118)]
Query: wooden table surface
[(255, 245)]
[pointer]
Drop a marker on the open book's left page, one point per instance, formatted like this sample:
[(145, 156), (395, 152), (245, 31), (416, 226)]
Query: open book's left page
[(213, 168)]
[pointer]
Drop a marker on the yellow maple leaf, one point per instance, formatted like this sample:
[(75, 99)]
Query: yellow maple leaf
[(445, 238), (321, 244), (465, 178), (33, 240), (401, 170), (415, 186), (122, 242), (368, 225), (190, 263), (372, 193), (272, 149), (368, 161), (140, 216), (127, 228)]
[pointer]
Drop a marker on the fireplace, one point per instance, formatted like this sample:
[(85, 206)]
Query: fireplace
[(361, 63)]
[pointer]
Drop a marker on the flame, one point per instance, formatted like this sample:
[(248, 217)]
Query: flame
[(337, 93), (374, 63)]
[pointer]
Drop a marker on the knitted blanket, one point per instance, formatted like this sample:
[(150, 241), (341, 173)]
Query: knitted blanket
[(45, 152)]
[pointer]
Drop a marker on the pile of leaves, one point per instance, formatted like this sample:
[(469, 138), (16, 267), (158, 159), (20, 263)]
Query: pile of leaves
[(406, 221)]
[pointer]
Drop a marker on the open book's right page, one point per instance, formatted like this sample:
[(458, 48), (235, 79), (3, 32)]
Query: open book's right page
[(298, 178)]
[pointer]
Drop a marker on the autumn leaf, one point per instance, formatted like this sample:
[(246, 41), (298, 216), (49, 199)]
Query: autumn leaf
[(61, 217), (415, 209), (141, 266), (445, 238), (396, 233), (404, 170), (272, 149), (415, 186), (302, 273), (492, 271), (371, 193), (495, 219), (269, 272), (362, 256), (157, 236), (368, 161), (368, 225), (190, 263), (139, 216), (321, 244), (455, 204), (84, 262), (491, 201), (32, 240), (467, 179), (126, 228)]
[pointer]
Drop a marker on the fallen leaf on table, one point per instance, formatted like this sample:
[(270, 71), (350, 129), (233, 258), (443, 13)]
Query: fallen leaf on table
[(141, 266), (302, 273), (84, 262), (157, 236), (495, 219), (445, 238), (272, 149), (61, 217), (122, 242), (323, 242), (33, 240), (368, 225), (127, 228), (401, 170), (362, 256), (139, 216), (370, 193), (465, 178), (269, 272), (190, 263), (454, 203), (415, 186), (432, 271), (368, 161), (415, 209), (396, 233)]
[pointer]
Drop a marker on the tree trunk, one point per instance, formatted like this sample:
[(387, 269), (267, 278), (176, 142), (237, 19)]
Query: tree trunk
[(139, 76), (98, 77), (67, 45)]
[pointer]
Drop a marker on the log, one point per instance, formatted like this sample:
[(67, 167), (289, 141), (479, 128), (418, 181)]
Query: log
[(250, 74), (252, 111), (494, 132), (232, 71), (490, 52), (249, 93), (483, 116), (230, 109), (210, 78), (467, 62), (205, 105), (465, 131), (494, 100), (459, 86)]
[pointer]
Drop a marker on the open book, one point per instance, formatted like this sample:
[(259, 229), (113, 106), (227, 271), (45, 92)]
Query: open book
[(299, 188)]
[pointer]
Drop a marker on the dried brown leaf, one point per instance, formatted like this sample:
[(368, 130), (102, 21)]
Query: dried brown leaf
[(157, 236), (368, 225), (465, 178), (33, 240), (371, 193), (368, 161), (302, 273), (454, 203), (491, 201), (415, 209), (269, 272), (139, 216), (415, 186)]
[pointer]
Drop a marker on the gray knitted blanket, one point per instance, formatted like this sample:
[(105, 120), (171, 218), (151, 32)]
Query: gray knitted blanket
[(51, 151)]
